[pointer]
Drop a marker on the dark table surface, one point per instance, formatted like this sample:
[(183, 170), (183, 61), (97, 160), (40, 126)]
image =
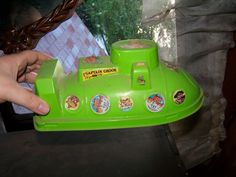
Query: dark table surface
[(137, 152)]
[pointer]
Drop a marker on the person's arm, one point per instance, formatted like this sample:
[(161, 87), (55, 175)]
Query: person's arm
[(21, 67)]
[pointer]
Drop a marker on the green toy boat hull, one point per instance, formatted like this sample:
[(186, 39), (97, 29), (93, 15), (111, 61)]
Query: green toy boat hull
[(132, 88), (70, 124)]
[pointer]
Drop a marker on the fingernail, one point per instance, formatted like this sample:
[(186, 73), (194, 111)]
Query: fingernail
[(28, 89), (34, 73), (43, 108), (49, 55)]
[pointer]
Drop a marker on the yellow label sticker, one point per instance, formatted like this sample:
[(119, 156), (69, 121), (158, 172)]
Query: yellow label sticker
[(98, 72)]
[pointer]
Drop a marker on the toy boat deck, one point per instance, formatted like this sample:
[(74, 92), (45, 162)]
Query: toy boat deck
[(130, 88)]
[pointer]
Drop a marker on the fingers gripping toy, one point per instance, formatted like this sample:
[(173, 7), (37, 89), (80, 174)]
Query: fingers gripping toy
[(130, 88)]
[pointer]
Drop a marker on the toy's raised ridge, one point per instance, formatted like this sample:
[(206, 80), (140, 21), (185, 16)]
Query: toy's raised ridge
[(133, 88)]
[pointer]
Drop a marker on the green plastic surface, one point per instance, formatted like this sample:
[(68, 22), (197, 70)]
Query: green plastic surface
[(130, 88)]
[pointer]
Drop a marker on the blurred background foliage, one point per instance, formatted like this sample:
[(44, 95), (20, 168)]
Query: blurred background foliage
[(113, 20)]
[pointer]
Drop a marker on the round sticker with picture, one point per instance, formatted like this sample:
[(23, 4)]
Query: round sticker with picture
[(134, 44), (155, 102), (179, 96), (125, 103), (93, 60), (100, 104), (72, 102)]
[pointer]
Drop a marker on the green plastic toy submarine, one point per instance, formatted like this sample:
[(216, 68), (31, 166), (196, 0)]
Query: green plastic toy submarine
[(130, 88)]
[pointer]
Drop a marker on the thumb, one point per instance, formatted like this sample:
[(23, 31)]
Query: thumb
[(21, 96)]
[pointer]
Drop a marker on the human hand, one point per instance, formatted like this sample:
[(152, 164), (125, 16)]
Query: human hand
[(21, 67)]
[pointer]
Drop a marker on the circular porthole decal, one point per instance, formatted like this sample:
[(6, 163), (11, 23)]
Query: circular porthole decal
[(72, 102), (125, 103), (155, 103), (179, 97), (100, 104)]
